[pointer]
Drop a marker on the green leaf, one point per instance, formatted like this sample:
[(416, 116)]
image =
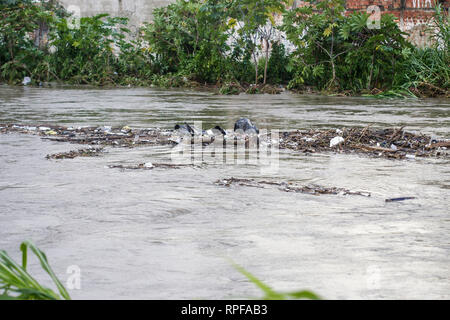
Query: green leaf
[(304, 295), (15, 278)]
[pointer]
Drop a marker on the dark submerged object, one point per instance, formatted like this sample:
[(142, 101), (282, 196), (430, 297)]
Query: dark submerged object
[(218, 130), (187, 129), (246, 126), (243, 124), (400, 199)]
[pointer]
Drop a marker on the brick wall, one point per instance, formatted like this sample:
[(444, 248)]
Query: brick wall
[(413, 15)]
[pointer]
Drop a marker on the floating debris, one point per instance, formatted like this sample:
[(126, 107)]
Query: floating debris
[(400, 199), (149, 166), (389, 143), (317, 190), (26, 81), (105, 135), (336, 141), (126, 129), (290, 187), (91, 152)]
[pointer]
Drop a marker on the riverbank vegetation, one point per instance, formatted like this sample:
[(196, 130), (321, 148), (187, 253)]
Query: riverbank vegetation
[(231, 45)]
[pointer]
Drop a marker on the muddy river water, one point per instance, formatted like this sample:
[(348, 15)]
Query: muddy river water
[(170, 234)]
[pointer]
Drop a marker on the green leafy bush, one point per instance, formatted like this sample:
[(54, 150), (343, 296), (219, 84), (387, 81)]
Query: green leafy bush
[(189, 38), (98, 51), (19, 56), (87, 54), (278, 72), (339, 53), (426, 71)]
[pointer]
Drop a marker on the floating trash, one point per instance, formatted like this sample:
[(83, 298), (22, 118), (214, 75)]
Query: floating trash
[(389, 143), (126, 129), (26, 81), (336, 141), (149, 166), (91, 152), (104, 136), (290, 187)]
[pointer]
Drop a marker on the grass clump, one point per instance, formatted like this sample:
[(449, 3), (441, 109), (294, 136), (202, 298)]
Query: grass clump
[(17, 283), (271, 294)]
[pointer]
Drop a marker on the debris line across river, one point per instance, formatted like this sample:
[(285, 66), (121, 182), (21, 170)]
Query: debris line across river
[(392, 143)]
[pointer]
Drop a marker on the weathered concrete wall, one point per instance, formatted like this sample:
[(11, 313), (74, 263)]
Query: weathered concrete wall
[(138, 11)]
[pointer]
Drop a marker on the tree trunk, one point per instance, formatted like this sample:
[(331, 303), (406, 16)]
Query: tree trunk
[(333, 81), (10, 48), (369, 84), (267, 62), (255, 60)]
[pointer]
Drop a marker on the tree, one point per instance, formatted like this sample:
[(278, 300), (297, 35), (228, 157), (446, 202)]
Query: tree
[(18, 20), (189, 37), (316, 33), (253, 20), (336, 52)]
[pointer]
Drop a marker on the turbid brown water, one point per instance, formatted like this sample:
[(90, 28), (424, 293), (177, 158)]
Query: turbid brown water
[(169, 233)]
